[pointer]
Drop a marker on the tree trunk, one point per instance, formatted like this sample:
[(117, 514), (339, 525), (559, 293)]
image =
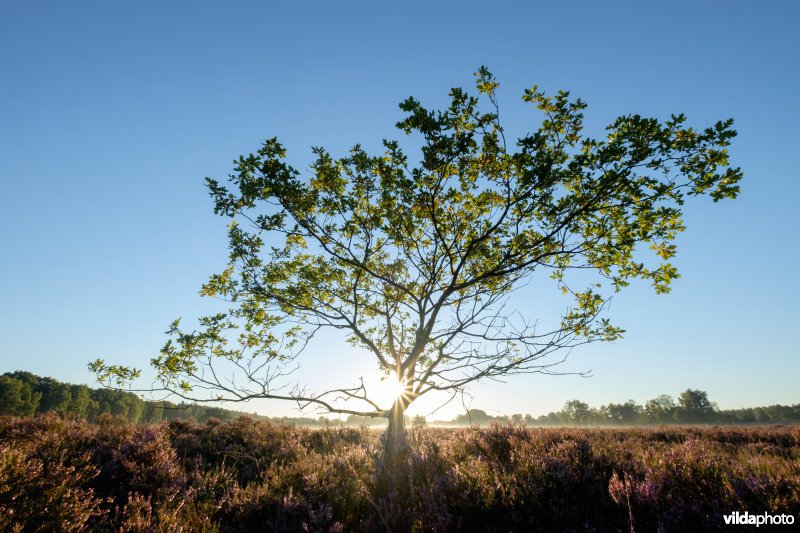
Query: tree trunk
[(391, 472), (395, 442), (391, 492)]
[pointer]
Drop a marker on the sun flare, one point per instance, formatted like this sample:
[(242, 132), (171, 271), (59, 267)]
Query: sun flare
[(393, 389)]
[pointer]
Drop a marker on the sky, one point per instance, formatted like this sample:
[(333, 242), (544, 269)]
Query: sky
[(112, 114)]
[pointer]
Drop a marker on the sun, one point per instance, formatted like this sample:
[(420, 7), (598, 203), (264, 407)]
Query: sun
[(384, 388), (391, 389)]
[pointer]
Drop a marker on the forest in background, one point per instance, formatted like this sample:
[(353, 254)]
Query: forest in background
[(25, 394)]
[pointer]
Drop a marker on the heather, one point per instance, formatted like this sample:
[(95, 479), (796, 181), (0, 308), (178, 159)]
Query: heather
[(59, 473)]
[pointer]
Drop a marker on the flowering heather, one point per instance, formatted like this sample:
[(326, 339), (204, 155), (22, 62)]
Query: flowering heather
[(58, 474)]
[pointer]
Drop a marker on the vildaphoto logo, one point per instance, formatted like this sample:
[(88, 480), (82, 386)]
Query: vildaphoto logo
[(741, 519)]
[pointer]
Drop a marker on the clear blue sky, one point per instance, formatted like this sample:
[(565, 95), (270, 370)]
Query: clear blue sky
[(112, 113)]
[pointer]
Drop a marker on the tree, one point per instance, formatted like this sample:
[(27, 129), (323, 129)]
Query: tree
[(625, 413), (56, 396), (415, 263), (660, 409), (356, 420), (17, 397), (576, 412), (694, 406), (81, 398), (476, 417), (153, 412)]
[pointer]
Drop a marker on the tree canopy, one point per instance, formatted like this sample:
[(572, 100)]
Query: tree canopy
[(415, 258)]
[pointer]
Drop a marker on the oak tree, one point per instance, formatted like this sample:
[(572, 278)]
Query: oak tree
[(415, 258)]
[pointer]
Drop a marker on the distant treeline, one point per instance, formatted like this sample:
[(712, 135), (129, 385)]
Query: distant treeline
[(691, 407), (26, 394)]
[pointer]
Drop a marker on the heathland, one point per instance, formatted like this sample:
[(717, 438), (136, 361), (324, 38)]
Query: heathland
[(61, 473)]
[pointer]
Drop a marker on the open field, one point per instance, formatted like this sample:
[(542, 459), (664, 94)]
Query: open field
[(58, 474)]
